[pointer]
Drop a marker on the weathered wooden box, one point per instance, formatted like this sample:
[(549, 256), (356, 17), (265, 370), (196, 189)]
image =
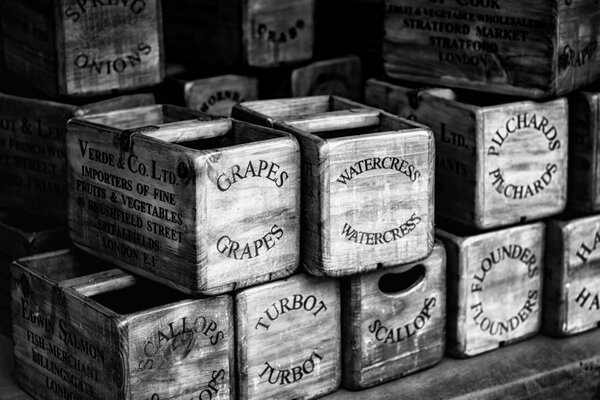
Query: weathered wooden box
[(398, 98), (82, 330), (393, 321), (527, 48), (214, 95), (203, 206), (367, 179), (571, 276), (494, 291), (499, 162), (255, 33), (33, 157), (289, 337), (584, 151), (83, 48), (23, 235)]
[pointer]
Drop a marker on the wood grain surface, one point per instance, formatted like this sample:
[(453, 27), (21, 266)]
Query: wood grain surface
[(203, 206), (494, 287), (571, 279), (156, 344), (340, 77), (499, 161), (289, 339), (33, 152), (393, 321)]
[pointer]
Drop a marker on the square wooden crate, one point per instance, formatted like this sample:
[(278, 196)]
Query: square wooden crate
[(533, 48), (393, 321), (494, 287), (84, 330), (33, 152), (499, 161), (367, 182), (571, 278), (84, 48), (203, 206)]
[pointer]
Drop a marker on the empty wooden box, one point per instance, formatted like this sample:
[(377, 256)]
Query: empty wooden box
[(23, 235), (83, 48), (571, 276), (85, 331), (367, 182), (584, 153), (288, 335), (498, 162), (214, 95), (203, 206), (528, 48), (33, 154), (255, 33), (393, 321), (398, 98), (494, 287)]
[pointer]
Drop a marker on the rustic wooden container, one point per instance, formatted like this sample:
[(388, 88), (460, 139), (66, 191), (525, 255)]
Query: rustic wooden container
[(357, 216), (215, 95), (400, 99), (83, 48), (584, 152), (527, 48), (288, 335), (33, 151), (255, 33), (571, 278), (85, 331), (499, 162), (203, 206), (393, 321), (23, 235), (494, 287)]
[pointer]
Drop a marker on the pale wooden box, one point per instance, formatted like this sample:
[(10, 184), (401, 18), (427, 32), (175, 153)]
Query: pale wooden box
[(532, 48), (353, 221), (571, 276), (289, 339), (255, 33), (203, 206), (33, 153), (115, 336), (24, 235), (499, 162), (83, 48), (214, 95), (400, 99), (584, 153), (393, 321), (494, 293)]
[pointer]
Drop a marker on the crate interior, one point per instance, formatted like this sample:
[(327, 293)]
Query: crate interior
[(382, 123), (143, 116), (66, 265), (29, 223), (236, 134), (294, 107), (476, 99)]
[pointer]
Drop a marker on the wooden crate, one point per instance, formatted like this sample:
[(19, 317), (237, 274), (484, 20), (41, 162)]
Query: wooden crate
[(494, 287), (398, 98), (83, 48), (255, 33), (527, 48), (288, 335), (584, 153), (85, 331), (571, 278), (367, 182), (393, 321), (499, 161), (214, 95), (24, 235), (203, 206), (33, 173)]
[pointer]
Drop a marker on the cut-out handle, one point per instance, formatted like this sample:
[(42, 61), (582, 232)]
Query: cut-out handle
[(400, 282)]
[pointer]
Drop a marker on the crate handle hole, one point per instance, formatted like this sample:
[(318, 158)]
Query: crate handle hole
[(400, 282)]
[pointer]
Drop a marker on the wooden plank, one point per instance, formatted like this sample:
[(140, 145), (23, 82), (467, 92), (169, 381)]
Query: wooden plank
[(339, 76)]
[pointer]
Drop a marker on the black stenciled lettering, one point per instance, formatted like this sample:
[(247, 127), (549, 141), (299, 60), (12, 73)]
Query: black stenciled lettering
[(83, 7), (404, 332), (233, 249), (221, 96), (373, 163), (587, 300), (266, 34), (117, 65), (380, 238), (276, 376), (296, 302), (253, 169)]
